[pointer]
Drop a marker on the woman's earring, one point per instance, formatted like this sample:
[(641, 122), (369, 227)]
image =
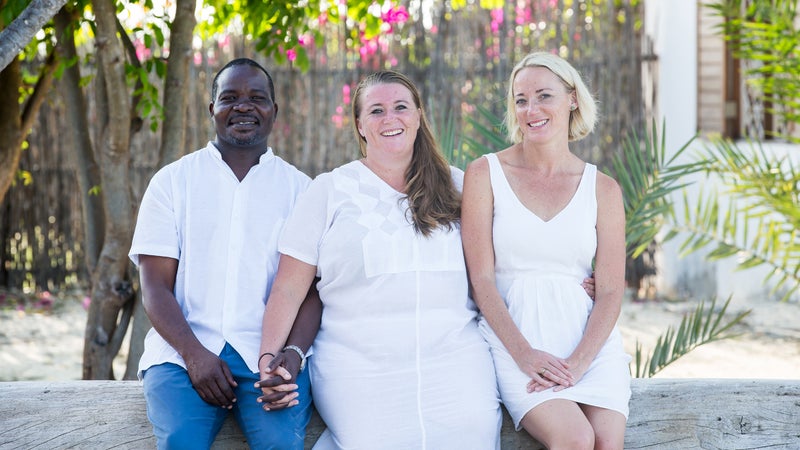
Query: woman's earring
[(573, 107)]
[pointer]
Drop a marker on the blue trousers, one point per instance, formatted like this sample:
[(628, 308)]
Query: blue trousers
[(182, 420)]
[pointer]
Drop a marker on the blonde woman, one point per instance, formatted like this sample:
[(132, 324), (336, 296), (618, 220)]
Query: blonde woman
[(536, 220)]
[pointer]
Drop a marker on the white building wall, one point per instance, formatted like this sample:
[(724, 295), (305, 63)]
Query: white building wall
[(672, 24)]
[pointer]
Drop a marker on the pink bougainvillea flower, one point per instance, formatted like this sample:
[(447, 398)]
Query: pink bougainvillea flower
[(346, 94), (142, 52), (523, 15), (368, 48), (497, 19), (291, 54), (305, 40), (397, 14), (46, 301), (223, 41)]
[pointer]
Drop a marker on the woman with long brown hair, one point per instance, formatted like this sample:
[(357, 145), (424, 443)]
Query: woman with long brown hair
[(399, 361)]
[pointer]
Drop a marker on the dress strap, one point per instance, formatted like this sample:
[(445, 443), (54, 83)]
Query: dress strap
[(588, 186), (498, 177)]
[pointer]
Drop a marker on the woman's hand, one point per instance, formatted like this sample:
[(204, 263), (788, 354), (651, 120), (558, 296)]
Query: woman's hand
[(588, 286), (277, 382), (546, 371), (577, 370)]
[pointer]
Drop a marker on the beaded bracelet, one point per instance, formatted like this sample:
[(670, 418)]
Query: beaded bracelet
[(300, 353)]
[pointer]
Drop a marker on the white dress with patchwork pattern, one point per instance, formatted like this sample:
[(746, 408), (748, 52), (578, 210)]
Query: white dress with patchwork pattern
[(399, 362), (539, 269)]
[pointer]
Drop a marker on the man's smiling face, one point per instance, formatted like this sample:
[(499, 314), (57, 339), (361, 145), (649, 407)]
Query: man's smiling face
[(243, 109)]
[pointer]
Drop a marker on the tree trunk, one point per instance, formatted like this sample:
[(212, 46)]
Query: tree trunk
[(112, 295), (141, 325), (176, 92), (173, 137), (10, 125), (25, 120), (86, 168)]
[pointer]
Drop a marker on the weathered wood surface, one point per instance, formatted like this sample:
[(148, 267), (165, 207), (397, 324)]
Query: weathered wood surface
[(665, 414)]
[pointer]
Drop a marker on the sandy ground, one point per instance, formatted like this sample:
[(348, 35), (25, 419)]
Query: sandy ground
[(43, 340)]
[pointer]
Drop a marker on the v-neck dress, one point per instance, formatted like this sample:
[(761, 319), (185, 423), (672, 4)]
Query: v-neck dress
[(539, 268), (399, 362)]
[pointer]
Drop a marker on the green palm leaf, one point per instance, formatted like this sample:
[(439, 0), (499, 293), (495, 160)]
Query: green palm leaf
[(703, 326), (647, 178), (755, 216)]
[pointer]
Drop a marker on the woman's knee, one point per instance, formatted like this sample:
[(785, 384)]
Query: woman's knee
[(580, 438), (606, 439), (560, 424)]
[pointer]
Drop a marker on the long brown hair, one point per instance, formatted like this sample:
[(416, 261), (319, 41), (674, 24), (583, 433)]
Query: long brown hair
[(432, 197)]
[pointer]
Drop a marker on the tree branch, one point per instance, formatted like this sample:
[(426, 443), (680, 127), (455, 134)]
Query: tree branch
[(17, 35)]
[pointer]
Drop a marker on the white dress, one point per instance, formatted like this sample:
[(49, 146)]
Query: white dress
[(399, 362), (539, 269)]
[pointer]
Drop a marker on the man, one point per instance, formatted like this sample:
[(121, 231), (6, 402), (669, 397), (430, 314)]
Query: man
[(206, 246)]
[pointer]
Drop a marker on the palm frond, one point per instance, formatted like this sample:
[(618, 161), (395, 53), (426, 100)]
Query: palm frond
[(755, 216), (488, 138), (703, 326), (450, 141), (647, 178)]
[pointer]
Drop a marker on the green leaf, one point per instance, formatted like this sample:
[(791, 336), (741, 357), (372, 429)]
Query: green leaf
[(703, 326)]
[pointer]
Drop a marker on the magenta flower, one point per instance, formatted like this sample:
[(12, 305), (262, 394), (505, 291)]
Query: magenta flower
[(497, 19), (523, 15), (346, 94), (397, 14), (291, 54), (142, 52)]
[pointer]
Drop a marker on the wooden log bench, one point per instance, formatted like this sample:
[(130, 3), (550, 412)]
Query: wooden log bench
[(665, 414)]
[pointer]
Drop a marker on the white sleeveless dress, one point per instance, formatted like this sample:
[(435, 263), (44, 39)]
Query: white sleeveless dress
[(539, 268)]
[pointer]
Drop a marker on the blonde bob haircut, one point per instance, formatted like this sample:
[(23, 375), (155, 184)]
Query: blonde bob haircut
[(581, 120)]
